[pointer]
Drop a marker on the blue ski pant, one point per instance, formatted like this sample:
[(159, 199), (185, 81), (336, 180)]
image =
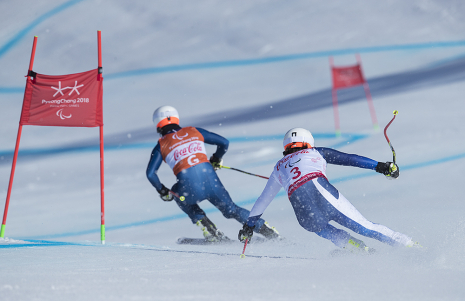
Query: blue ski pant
[(317, 202), (199, 183)]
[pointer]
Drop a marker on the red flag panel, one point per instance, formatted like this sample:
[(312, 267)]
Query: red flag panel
[(344, 77), (73, 100)]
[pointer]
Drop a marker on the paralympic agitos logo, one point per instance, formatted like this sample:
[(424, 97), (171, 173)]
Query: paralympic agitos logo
[(288, 158), (64, 102), (291, 164)]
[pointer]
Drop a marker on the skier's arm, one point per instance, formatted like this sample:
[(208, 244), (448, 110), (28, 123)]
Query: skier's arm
[(333, 156), (212, 138), (155, 161), (271, 190)]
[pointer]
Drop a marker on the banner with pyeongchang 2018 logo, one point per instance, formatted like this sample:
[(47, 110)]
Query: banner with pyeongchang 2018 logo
[(73, 100)]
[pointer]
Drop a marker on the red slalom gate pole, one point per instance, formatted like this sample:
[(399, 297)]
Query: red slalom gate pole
[(33, 53), (336, 113), (99, 42), (102, 179), (368, 95), (10, 184), (15, 156), (245, 245), (389, 142), (102, 190), (335, 104)]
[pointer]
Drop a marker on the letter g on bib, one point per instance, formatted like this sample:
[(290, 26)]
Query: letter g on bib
[(192, 160)]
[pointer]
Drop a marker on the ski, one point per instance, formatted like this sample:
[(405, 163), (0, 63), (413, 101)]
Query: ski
[(204, 241), (344, 252)]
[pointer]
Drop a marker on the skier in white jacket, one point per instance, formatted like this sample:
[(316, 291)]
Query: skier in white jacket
[(302, 173)]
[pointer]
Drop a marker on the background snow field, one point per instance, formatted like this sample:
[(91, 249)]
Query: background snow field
[(250, 71)]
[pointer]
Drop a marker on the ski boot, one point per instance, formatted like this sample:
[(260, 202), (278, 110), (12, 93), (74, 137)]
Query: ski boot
[(357, 246), (269, 232), (414, 245), (210, 232)]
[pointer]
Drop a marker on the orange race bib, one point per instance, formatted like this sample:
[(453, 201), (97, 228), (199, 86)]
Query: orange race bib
[(183, 149)]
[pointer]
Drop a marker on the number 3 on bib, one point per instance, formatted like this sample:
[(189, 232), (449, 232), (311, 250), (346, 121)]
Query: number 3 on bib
[(297, 172)]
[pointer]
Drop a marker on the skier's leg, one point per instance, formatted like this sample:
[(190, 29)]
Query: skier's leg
[(306, 202), (337, 236), (220, 198), (195, 213), (189, 205), (348, 216)]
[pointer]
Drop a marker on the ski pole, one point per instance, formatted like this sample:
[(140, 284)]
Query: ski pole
[(385, 135), (245, 245), (252, 174), (181, 198)]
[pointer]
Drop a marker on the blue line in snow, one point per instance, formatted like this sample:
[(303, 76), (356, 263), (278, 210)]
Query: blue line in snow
[(403, 168), (6, 90), (15, 40), (347, 139), (22, 33), (276, 59), (266, 60), (57, 150), (39, 243), (249, 201), (136, 224)]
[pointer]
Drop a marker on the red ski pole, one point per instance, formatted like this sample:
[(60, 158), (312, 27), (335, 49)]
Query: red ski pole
[(181, 198), (245, 245), (385, 135)]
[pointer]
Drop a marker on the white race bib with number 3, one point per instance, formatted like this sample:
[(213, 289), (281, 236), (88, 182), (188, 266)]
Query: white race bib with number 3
[(295, 169)]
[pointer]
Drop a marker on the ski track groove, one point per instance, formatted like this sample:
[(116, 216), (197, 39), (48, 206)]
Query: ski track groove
[(45, 243)]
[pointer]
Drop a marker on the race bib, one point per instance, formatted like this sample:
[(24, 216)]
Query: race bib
[(183, 149)]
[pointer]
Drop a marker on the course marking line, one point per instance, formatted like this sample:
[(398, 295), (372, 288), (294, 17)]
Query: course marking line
[(228, 254), (403, 168), (23, 32), (38, 243), (267, 60), (44, 243), (246, 202), (241, 139), (282, 58)]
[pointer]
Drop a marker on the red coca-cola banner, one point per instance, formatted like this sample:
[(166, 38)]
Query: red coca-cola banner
[(73, 100), (344, 77)]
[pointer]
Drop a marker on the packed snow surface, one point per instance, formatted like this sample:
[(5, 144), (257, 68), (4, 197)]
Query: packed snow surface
[(250, 71)]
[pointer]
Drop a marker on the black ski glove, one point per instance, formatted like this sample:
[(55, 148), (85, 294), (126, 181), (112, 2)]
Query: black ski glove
[(165, 194), (216, 162), (245, 233), (389, 169)]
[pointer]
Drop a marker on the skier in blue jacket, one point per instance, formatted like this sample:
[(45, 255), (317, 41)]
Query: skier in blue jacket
[(183, 149), (302, 173)]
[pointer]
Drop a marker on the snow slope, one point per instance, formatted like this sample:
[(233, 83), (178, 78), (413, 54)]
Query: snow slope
[(248, 70)]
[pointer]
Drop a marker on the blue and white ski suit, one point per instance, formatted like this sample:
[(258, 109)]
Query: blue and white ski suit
[(316, 202), (199, 182)]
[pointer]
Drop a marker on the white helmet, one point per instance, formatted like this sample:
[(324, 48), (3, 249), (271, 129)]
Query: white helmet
[(165, 115), (298, 137)]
